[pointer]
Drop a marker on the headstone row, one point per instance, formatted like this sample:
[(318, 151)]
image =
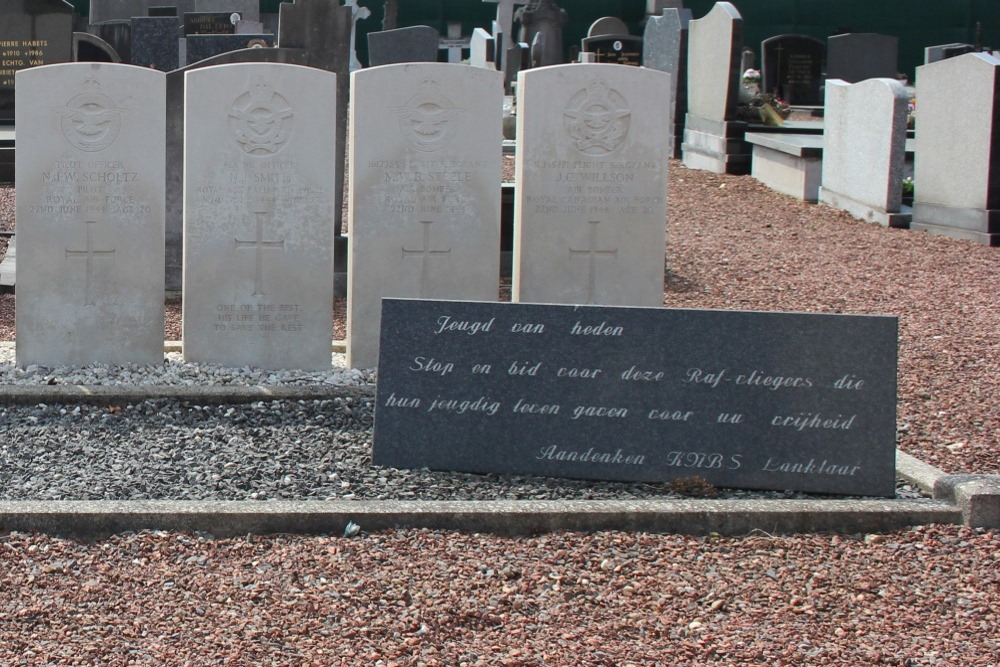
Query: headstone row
[(259, 198)]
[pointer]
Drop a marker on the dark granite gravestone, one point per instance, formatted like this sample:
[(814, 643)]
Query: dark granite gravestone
[(162, 11), (741, 399), (154, 42), (616, 49), (32, 32), (792, 68), (857, 56), (209, 23), (200, 47), (419, 43)]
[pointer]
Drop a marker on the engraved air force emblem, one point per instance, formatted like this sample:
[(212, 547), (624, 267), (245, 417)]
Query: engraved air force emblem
[(597, 119), (261, 120), (426, 121), (90, 120)]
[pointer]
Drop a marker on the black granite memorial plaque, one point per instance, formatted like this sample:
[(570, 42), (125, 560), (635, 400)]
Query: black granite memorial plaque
[(742, 399), (615, 49), (32, 33), (209, 23), (793, 68)]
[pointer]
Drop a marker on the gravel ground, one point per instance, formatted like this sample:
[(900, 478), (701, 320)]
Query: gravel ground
[(926, 596)]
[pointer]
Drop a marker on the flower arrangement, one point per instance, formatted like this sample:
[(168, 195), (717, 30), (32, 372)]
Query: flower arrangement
[(911, 113), (764, 108), (908, 186), (751, 76)]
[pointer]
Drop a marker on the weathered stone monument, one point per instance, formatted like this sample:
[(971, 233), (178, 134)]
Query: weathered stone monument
[(713, 139), (542, 23), (955, 191), (591, 172), (259, 175), (90, 199), (864, 144), (424, 191), (664, 47), (419, 43)]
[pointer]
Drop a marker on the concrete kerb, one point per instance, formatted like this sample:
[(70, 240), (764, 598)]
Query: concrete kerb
[(960, 499)]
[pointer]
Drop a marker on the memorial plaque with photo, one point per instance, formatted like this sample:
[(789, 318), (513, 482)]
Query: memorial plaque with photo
[(209, 23), (615, 49), (32, 33), (741, 399)]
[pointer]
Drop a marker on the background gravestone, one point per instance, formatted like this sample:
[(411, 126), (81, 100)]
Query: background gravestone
[(792, 68), (424, 191), (259, 172), (154, 42), (33, 32), (866, 118), (713, 140), (664, 47), (858, 56), (591, 172), (958, 154), (200, 47), (90, 199), (542, 24), (123, 10), (932, 54), (419, 43)]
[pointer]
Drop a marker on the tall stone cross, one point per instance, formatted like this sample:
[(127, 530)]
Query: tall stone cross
[(90, 254), (356, 14), (505, 17), (259, 244)]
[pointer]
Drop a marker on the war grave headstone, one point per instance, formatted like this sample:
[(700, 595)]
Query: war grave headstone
[(958, 154), (866, 118), (90, 197), (419, 43), (740, 399), (713, 140), (424, 191), (542, 24), (792, 68), (32, 33), (858, 56), (664, 48), (154, 42), (591, 173), (258, 240), (312, 33)]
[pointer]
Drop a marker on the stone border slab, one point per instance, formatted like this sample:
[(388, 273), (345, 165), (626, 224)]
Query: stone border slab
[(93, 519)]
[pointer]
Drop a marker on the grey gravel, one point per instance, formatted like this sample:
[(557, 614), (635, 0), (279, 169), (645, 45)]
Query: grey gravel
[(268, 450)]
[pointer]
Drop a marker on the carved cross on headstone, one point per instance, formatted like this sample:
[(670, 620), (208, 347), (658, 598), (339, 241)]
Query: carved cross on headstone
[(90, 254), (425, 252), (259, 244), (356, 14), (593, 253)]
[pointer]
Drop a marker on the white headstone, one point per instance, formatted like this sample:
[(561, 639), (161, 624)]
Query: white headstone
[(955, 182), (259, 174), (591, 171), (90, 206), (424, 191), (864, 144)]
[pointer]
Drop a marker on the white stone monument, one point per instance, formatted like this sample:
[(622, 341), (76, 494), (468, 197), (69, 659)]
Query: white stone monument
[(424, 191), (591, 171), (864, 149), (955, 182), (259, 174), (90, 210)]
